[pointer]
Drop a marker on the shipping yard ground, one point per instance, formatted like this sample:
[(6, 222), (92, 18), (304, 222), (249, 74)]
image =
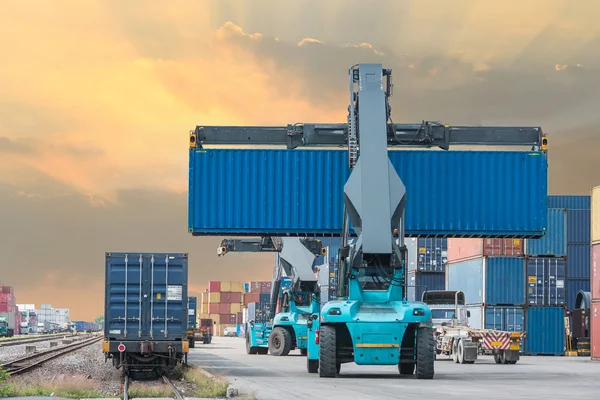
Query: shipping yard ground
[(269, 377)]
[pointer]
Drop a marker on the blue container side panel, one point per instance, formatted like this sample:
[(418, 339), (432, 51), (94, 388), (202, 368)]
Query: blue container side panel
[(578, 261), (569, 202), (579, 226), (555, 242), (265, 297), (259, 198), (545, 331), (510, 319), (138, 278), (468, 277), (505, 281), (573, 287), (546, 281), (418, 282)]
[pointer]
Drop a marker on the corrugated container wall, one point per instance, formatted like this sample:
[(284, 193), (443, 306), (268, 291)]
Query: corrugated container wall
[(192, 312), (214, 286), (573, 286), (578, 226), (578, 261), (158, 277), (490, 181), (569, 202), (595, 330), (418, 282), (555, 242), (489, 280), (460, 249), (595, 279), (546, 281), (545, 327), (511, 319)]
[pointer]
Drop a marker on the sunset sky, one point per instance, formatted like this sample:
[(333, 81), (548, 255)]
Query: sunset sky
[(97, 98)]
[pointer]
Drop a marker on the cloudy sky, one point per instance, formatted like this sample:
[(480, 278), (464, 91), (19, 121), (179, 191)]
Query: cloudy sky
[(97, 98)]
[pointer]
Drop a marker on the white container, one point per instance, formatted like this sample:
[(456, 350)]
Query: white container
[(596, 215)]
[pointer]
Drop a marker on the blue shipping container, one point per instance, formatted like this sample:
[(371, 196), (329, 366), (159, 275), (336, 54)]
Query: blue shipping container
[(578, 261), (546, 281), (509, 319), (555, 242), (265, 297), (569, 202), (146, 296), (334, 244), (258, 196), (545, 327), (489, 280), (246, 287), (192, 307), (573, 287), (579, 226), (427, 254), (418, 282)]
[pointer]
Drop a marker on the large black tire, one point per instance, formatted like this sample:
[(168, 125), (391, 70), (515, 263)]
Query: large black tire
[(280, 342), (328, 365), (303, 352), (250, 349), (425, 361), (312, 366)]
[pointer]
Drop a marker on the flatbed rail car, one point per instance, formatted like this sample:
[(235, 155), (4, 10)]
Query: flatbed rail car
[(146, 311), (455, 338)]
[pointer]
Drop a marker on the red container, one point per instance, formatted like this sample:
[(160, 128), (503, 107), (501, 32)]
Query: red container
[(265, 287), (240, 318), (251, 298), (595, 330), (225, 297), (213, 308), (224, 308), (228, 319), (595, 272), (460, 249), (7, 289), (4, 307), (214, 286), (255, 287), (235, 297)]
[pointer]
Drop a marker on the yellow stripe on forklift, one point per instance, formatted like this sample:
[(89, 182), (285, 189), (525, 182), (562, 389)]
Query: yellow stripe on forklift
[(378, 345)]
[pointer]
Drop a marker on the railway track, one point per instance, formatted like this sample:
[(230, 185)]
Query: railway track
[(14, 342), (166, 380), (27, 363)]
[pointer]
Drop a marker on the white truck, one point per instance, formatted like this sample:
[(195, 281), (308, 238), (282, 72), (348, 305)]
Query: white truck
[(455, 338)]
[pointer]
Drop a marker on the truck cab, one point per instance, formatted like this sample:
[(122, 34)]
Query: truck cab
[(447, 307)]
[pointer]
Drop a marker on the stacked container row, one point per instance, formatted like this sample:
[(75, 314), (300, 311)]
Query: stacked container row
[(8, 307), (595, 275)]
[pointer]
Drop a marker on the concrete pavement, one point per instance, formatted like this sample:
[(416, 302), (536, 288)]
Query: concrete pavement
[(269, 377)]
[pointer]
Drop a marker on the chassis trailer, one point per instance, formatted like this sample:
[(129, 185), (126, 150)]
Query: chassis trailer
[(455, 338)]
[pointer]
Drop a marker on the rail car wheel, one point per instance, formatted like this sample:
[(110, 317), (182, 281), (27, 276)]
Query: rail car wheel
[(328, 352)]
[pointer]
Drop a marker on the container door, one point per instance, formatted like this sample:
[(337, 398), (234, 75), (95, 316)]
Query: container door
[(515, 319), (556, 281), (167, 309), (495, 318), (535, 281)]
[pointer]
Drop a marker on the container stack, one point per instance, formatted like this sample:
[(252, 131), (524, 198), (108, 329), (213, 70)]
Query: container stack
[(426, 265), (8, 306), (577, 272), (595, 275), (491, 273), (546, 260), (222, 302)]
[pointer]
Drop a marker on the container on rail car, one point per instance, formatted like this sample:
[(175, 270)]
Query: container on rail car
[(146, 310)]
